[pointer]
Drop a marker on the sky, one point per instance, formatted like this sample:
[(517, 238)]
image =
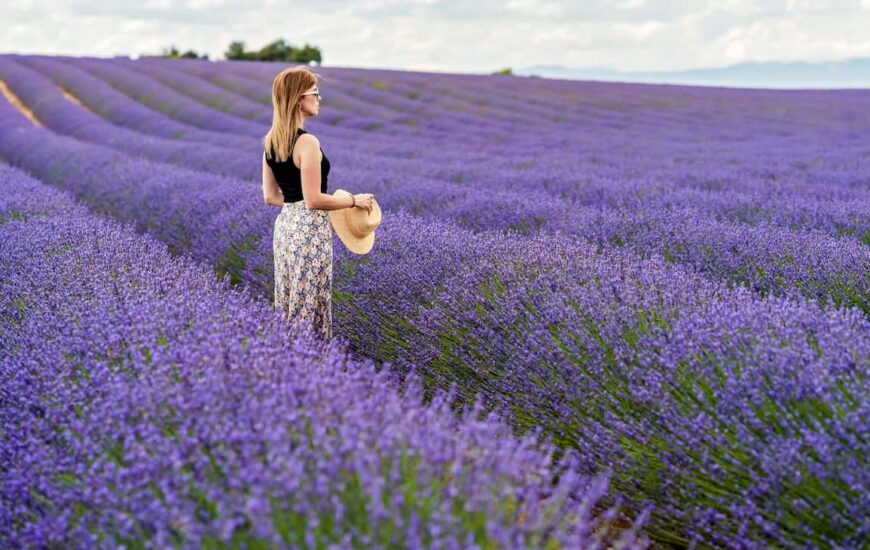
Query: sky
[(455, 35)]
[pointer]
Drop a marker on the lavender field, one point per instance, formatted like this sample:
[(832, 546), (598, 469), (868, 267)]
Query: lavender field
[(595, 315)]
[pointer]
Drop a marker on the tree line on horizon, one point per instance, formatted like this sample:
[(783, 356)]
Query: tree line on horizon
[(277, 50)]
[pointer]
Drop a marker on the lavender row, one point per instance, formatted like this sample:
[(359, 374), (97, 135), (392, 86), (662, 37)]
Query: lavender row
[(344, 91), (236, 89), (347, 108), (680, 136), (656, 115), (382, 307), (768, 260), (840, 218), (132, 419), (213, 218), (116, 107), (850, 218), (250, 94), (355, 82), (741, 418), (122, 110), (210, 95), (177, 105), (164, 99), (59, 114), (736, 198), (769, 133)]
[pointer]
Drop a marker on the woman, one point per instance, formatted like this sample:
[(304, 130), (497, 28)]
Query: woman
[(295, 171)]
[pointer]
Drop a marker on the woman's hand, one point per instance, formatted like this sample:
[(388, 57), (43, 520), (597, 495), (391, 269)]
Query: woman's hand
[(364, 200)]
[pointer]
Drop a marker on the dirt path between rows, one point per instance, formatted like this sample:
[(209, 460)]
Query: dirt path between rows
[(13, 99), (75, 100)]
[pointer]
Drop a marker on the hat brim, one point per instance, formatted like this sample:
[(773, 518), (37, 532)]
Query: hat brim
[(357, 245)]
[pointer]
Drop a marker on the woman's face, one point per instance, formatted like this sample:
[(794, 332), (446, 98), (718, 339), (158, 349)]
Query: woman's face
[(309, 103)]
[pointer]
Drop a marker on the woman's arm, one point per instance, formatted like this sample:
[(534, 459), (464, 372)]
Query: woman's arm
[(271, 192), (309, 151)]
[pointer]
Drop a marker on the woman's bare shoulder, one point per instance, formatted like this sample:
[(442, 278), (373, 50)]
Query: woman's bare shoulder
[(308, 138)]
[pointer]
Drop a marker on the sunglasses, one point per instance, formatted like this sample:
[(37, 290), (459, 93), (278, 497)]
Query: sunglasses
[(315, 93)]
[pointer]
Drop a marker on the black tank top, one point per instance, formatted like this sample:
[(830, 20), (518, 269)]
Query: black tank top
[(289, 177)]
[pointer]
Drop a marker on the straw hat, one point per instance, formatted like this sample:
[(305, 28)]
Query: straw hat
[(355, 226)]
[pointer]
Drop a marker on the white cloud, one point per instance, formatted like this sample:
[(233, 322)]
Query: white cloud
[(158, 4), (537, 8), (454, 35), (639, 31), (804, 36), (204, 4), (630, 4)]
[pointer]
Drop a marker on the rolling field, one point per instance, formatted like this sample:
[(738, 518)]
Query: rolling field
[(595, 314)]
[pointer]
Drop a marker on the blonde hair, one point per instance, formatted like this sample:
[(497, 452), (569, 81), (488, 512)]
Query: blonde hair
[(287, 90)]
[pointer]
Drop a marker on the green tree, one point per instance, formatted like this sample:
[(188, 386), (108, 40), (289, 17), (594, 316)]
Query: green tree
[(190, 54), (237, 51), (274, 51), (174, 53), (308, 54), (277, 50)]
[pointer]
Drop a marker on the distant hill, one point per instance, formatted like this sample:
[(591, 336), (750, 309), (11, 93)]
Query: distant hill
[(852, 73)]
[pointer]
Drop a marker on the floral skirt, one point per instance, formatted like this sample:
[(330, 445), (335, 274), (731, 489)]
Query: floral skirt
[(303, 266)]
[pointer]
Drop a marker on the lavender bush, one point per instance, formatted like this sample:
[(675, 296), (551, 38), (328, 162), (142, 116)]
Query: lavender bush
[(770, 260), (146, 403), (709, 401), (678, 296)]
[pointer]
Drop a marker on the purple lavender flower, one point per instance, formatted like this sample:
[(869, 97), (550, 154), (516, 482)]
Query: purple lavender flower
[(148, 403), (671, 282)]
